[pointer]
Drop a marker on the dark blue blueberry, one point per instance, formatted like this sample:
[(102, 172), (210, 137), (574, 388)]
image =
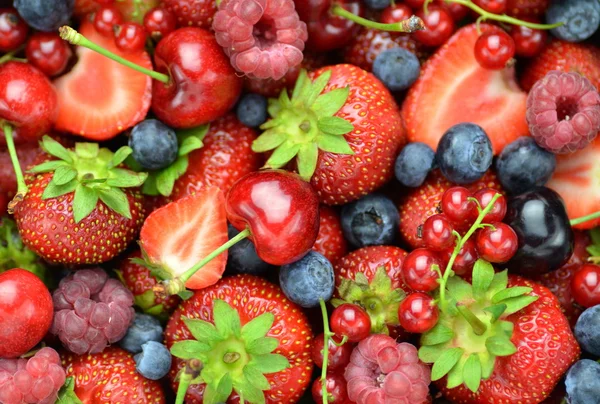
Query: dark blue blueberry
[(377, 4), (414, 163), (587, 330), (397, 68), (464, 153), (523, 165), (308, 280), (145, 328), (45, 15), (154, 144), (154, 362), (252, 110), (581, 19), (372, 220), (583, 382), (242, 257)]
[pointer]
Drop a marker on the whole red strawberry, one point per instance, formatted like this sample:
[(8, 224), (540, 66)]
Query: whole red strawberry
[(330, 241), (526, 8), (344, 127), (197, 13), (242, 325), (559, 283)]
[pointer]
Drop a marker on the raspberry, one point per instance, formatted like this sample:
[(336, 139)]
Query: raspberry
[(563, 112), (382, 370), (91, 311), (36, 380), (263, 38)]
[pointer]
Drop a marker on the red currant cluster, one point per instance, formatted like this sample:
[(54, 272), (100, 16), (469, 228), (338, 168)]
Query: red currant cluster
[(585, 285)]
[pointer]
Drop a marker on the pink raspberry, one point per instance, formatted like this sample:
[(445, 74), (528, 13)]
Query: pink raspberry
[(563, 112), (263, 38), (91, 311), (382, 370), (34, 380)]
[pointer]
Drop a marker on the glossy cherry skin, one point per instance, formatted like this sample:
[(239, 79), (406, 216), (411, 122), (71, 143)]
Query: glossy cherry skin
[(281, 211), (492, 6), (417, 313), (437, 232), (493, 50), (130, 37), (395, 13), (48, 52), (351, 321), (439, 26), (203, 86), (498, 244), (159, 22), (106, 18), (28, 101), (528, 42), (417, 270), (585, 285), (336, 389), (26, 312), (13, 30), (338, 356), (484, 196)]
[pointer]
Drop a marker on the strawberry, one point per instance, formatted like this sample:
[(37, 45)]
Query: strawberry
[(134, 10), (193, 13), (330, 241), (344, 127), (563, 56), (489, 98), (253, 321), (110, 377), (559, 283), (526, 8), (99, 98)]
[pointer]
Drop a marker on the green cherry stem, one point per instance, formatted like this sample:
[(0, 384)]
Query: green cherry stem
[(21, 187), (583, 219), (75, 38), (326, 335), (409, 25)]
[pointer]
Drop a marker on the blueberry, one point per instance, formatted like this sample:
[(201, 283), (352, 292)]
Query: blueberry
[(252, 110), (377, 4), (581, 19), (397, 68), (583, 382), (464, 153), (45, 15), (523, 165), (307, 280), (242, 257), (154, 361), (414, 163), (372, 220), (587, 330), (154, 144), (145, 328)]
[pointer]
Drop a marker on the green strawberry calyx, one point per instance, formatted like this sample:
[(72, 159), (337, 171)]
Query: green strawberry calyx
[(304, 124), (13, 254), (594, 248), (92, 173), (66, 394), (229, 357)]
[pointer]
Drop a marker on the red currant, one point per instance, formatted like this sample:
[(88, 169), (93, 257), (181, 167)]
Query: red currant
[(493, 50), (437, 232), (439, 26), (352, 321), (484, 196), (498, 244), (418, 313), (130, 37), (159, 22), (106, 18), (13, 30), (492, 6), (457, 11), (465, 260), (457, 207), (339, 356), (336, 389), (528, 42), (48, 52), (585, 285), (417, 270)]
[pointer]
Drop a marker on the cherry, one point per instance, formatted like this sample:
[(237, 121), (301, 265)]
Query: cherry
[(528, 42), (26, 312), (494, 49), (418, 313), (457, 207), (159, 22), (437, 232), (106, 18), (351, 321), (338, 356), (105, 2), (439, 26), (465, 260), (48, 52), (336, 389), (13, 30), (484, 196), (492, 6), (417, 270), (498, 244), (456, 10), (130, 37), (395, 13), (415, 4), (585, 285)]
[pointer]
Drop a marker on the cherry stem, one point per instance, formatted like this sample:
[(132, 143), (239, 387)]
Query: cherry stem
[(584, 219), (326, 335), (75, 38), (21, 186), (409, 25)]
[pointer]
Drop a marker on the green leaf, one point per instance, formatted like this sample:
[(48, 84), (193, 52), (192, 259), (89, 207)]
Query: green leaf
[(224, 388), (66, 394), (203, 330), (199, 132), (55, 149), (269, 140), (64, 174), (507, 328), (188, 145), (361, 279), (116, 200), (262, 346), (334, 125), (334, 144), (439, 334), (270, 363), (483, 275), (307, 160), (258, 327), (53, 190), (189, 349), (487, 362), (595, 235), (256, 378), (496, 311), (517, 303), (431, 353), (185, 294), (247, 391), (87, 150), (382, 283), (510, 292), (282, 155), (500, 346), (455, 376), (459, 289), (122, 178), (300, 83), (211, 395), (84, 202), (317, 87), (331, 102), (445, 362), (165, 180), (120, 156), (48, 166), (226, 318), (472, 373), (499, 283)]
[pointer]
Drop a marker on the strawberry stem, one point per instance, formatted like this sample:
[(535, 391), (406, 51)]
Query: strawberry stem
[(184, 383), (409, 25), (21, 187), (583, 219), (479, 328), (75, 38)]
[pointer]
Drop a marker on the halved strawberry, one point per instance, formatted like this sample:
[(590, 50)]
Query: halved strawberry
[(577, 180), (180, 234), (454, 88), (100, 98)]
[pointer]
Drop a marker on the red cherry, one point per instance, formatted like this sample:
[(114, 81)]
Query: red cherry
[(484, 196), (418, 313), (528, 42), (352, 321), (415, 4), (26, 312), (395, 13), (492, 6), (105, 2), (437, 232), (48, 52), (13, 30), (106, 18), (439, 26), (457, 11), (498, 244), (159, 22), (585, 285), (493, 50), (130, 37), (417, 270), (338, 356), (336, 389), (457, 207), (465, 260)]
